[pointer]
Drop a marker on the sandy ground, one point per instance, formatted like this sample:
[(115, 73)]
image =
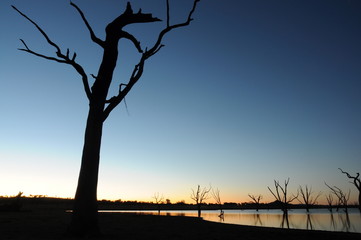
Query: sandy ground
[(52, 224)]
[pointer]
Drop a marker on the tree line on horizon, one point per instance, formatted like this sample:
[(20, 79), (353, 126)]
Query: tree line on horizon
[(306, 198)]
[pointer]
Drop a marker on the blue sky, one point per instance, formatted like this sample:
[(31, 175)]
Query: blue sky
[(250, 92)]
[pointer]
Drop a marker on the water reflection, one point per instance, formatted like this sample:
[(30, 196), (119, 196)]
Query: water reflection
[(316, 219)]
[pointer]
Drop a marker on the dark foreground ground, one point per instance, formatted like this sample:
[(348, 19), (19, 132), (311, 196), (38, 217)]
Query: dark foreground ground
[(52, 224)]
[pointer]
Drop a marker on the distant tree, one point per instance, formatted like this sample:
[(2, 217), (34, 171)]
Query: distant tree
[(85, 212), (256, 199), (307, 198), (356, 181), (281, 194), (158, 200), (329, 199), (342, 196), (217, 198), (199, 196)]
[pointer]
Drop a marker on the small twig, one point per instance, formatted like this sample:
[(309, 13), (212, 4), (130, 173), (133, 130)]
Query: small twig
[(168, 17)]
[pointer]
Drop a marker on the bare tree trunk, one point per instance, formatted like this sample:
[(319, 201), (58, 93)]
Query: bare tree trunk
[(84, 219)]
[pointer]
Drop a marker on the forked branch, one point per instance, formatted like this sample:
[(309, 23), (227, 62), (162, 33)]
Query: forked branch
[(61, 58), (139, 67), (281, 194), (200, 195)]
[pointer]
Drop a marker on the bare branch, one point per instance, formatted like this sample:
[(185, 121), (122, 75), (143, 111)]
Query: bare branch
[(356, 180), (216, 196), (40, 30), (92, 34), (130, 37), (168, 18), (256, 199), (28, 50), (129, 17), (169, 28), (307, 197), (200, 195), (284, 198), (158, 198), (61, 57), (114, 101)]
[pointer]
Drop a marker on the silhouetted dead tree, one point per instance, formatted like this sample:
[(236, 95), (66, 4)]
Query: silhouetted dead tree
[(281, 194), (158, 200), (85, 212), (329, 199), (307, 197), (356, 181), (217, 198), (256, 200), (200, 196), (342, 197)]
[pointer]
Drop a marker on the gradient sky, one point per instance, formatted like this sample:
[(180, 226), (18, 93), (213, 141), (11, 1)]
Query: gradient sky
[(250, 92)]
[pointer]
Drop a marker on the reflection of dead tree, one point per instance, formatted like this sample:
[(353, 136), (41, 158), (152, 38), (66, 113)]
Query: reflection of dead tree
[(256, 200), (285, 220), (329, 199), (357, 183), (158, 200), (199, 196), (333, 223), (342, 197), (309, 225), (217, 198), (307, 197), (257, 220), (281, 194)]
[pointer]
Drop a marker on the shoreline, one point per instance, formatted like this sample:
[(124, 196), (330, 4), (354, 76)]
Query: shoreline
[(52, 224)]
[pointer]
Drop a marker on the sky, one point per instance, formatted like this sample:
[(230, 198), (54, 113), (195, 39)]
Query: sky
[(250, 92)]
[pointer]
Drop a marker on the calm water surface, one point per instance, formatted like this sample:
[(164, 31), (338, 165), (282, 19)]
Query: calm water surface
[(317, 219)]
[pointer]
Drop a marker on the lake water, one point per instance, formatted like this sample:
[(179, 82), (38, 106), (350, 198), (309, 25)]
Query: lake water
[(317, 219)]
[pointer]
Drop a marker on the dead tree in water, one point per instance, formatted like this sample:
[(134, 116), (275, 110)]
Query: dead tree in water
[(256, 200), (357, 183), (307, 197), (342, 197), (281, 194), (85, 212), (329, 199), (199, 196), (217, 198), (158, 200)]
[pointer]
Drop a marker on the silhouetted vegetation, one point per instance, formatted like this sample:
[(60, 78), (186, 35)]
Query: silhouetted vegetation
[(199, 196), (355, 181), (256, 200), (307, 197), (329, 199), (341, 196), (85, 214), (217, 198), (12, 204), (158, 200), (282, 196)]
